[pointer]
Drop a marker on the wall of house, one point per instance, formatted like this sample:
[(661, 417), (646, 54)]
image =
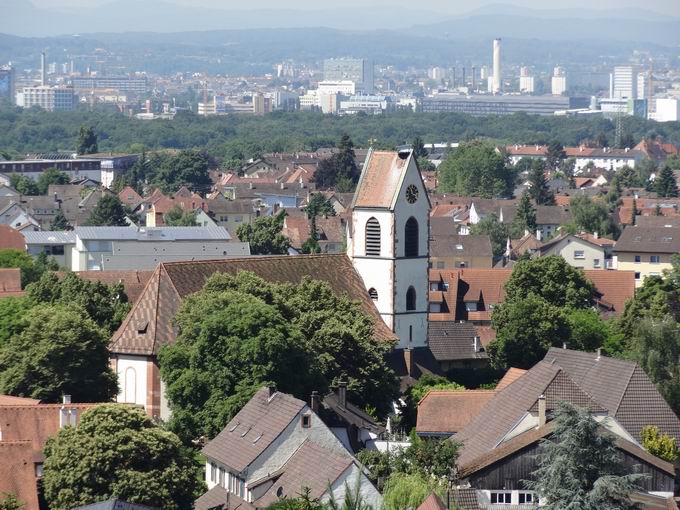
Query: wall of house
[(63, 260), (285, 445), (644, 268), (233, 221), (132, 378), (350, 478), (146, 255), (592, 257), (456, 261)]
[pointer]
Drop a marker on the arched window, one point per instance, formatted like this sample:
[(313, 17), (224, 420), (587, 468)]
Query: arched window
[(373, 237), (130, 385), (411, 299), (373, 294), (411, 238)]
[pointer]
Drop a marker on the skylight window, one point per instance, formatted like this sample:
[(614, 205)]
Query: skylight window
[(234, 427)]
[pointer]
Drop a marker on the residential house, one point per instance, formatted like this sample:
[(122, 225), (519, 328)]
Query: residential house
[(129, 197), (341, 202), (127, 248), (11, 239), (330, 233), (149, 325), (459, 251), (456, 345), (230, 214), (647, 251), (25, 426), (501, 441), (8, 191), (549, 218), (114, 504), (274, 448), (585, 157), (657, 150), (187, 201), (579, 252), (471, 294)]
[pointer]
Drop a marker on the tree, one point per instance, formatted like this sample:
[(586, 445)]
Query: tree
[(311, 245), (525, 219), (340, 171), (665, 183), (579, 467), (59, 351), (51, 176), (118, 452), (10, 502), (419, 150), (59, 222), (30, 270), (177, 217), (592, 216), (587, 330), (87, 140), (404, 491), (264, 235), (555, 155), (552, 279), (13, 315), (525, 330), (106, 305), (240, 332), (659, 444), (476, 169), (498, 233), (24, 185), (319, 205), (108, 212), (188, 168), (538, 185)]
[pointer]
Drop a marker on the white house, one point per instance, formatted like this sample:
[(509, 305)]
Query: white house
[(274, 448), (388, 242)]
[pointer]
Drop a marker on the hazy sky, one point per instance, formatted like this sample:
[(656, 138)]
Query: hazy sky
[(669, 7)]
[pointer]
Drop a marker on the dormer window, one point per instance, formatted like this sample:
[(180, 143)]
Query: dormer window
[(306, 421)]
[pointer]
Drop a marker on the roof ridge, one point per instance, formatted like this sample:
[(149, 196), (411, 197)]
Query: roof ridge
[(623, 393), (254, 258)]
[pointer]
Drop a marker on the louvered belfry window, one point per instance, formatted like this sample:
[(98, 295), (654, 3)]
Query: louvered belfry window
[(373, 237)]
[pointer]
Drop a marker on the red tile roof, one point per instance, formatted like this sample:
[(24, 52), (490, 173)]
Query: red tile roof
[(432, 502), (380, 179), (449, 412), (11, 239)]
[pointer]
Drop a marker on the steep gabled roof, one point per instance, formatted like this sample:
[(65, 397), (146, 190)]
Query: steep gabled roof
[(11, 239), (622, 387), (432, 502), (149, 323), (381, 179), (510, 377), (253, 429), (449, 412)]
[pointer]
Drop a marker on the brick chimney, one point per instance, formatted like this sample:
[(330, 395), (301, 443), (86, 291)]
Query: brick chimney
[(541, 411), (314, 401), (342, 393)]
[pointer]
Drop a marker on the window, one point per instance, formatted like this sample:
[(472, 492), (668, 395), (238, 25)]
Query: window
[(526, 497), (373, 237), (213, 472), (373, 294), (637, 275), (411, 299), (578, 254), (596, 262), (471, 306), (441, 265), (130, 385), (654, 259), (637, 258), (57, 250), (461, 264), (306, 421), (435, 307), (411, 238), (503, 498)]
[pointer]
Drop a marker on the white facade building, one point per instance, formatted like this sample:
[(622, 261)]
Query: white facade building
[(559, 81), (345, 87), (526, 81), (47, 98), (388, 242), (666, 110), (625, 82), (358, 70), (110, 248)]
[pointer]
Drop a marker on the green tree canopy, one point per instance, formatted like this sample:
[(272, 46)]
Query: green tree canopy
[(51, 176), (24, 185), (525, 219), (579, 467), (241, 331), (476, 169), (13, 314), (419, 150), (555, 155), (59, 351), (188, 168), (592, 216), (108, 212), (31, 269), (498, 233), (319, 205), (552, 279), (264, 235), (659, 444), (177, 217), (539, 191), (87, 140), (665, 184), (340, 171), (59, 222), (118, 452)]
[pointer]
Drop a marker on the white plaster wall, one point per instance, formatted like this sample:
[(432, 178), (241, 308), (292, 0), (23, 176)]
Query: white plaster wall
[(359, 219), (370, 494), (139, 365)]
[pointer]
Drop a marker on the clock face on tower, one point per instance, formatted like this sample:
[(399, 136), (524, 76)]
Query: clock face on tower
[(411, 194)]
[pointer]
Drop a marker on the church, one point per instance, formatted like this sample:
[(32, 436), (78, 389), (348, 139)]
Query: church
[(385, 269)]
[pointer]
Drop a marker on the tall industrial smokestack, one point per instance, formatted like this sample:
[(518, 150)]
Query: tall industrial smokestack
[(497, 78), (42, 68)]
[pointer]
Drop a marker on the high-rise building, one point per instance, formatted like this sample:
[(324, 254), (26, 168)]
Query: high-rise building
[(526, 80), (43, 75), (436, 73), (261, 104), (358, 70), (7, 84), (559, 81), (625, 82), (47, 98), (643, 91), (497, 76)]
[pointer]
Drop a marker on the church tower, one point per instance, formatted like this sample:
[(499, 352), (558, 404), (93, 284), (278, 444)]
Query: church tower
[(388, 242)]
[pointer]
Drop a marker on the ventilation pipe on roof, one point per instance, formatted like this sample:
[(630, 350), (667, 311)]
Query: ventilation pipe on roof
[(342, 393), (272, 390), (475, 343), (66, 399), (564, 345), (599, 354), (541, 410), (314, 401)]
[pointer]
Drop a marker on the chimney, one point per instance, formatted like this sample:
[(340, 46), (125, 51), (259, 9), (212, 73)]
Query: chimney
[(408, 361), (596, 235), (599, 354), (564, 345), (475, 343), (314, 401), (541, 411), (272, 390), (342, 393), (66, 399)]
